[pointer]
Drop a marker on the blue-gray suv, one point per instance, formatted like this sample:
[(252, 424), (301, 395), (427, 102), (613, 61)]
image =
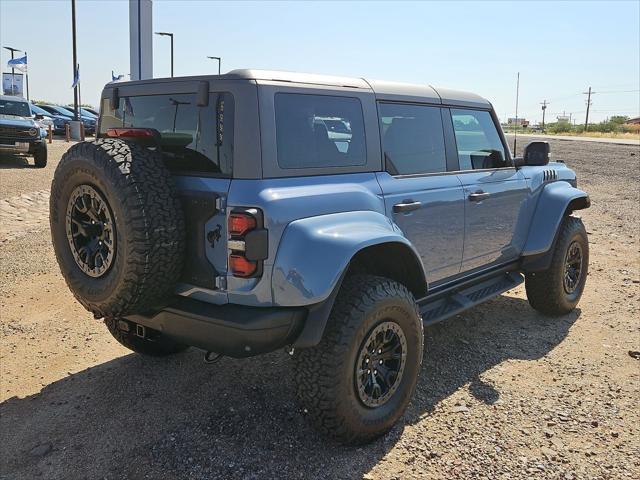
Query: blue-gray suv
[(332, 217), (20, 133)]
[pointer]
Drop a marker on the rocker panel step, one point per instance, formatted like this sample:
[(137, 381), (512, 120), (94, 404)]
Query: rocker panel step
[(459, 300)]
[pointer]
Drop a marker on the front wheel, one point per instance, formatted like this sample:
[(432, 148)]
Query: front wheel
[(40, 157), (557, 290), (358, 381)]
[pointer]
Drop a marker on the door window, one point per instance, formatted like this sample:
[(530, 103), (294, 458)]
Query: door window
[(412, 139), (479, 144)]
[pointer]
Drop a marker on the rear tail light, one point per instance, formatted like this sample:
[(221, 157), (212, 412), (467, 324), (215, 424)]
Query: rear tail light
[(241, 223), (246, 232), (241, 267)]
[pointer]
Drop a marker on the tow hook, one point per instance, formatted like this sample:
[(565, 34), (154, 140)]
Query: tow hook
[(290, 350), (212, 357)]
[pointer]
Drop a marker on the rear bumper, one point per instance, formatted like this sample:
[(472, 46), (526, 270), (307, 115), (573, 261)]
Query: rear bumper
[(233, 330)]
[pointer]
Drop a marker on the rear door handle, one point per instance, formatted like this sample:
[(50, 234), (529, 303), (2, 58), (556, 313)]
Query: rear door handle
[(406, 206), (478, 196)]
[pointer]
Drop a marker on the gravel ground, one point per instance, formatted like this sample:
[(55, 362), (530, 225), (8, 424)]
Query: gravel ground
[(504, 392)]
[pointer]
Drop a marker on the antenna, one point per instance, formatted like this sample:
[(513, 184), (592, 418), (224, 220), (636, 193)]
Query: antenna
[(515, 132)]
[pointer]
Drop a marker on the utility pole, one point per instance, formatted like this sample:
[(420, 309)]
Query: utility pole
[(515, 133), (544, 109), (586, 121)]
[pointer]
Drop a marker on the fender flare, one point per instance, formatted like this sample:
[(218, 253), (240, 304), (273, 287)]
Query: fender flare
[(556, 200), (315, 252)]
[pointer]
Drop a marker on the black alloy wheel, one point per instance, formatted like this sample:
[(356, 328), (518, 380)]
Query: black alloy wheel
[(90, 230), (380, 364)]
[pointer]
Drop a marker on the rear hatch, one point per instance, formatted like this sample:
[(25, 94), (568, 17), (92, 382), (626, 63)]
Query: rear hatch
[(194, 132)]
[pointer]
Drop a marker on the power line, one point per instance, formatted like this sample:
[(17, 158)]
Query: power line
[(619, 91)]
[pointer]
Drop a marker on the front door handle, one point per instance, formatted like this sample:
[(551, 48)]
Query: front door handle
[(478, 196), (406, 206)]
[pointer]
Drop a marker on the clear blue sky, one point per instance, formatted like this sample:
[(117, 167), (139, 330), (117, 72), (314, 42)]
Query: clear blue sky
[(560, 48)]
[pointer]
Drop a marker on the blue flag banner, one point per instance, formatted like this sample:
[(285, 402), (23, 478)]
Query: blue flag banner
[(76, 77), (18, 63)]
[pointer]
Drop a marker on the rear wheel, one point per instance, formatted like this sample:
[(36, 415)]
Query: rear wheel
[(359, 380), (152, 343), (557, 290)]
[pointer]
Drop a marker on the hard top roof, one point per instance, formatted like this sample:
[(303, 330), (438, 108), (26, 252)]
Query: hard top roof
[(384, 90)]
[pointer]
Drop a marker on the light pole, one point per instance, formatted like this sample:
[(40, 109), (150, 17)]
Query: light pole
[(168, 34), (219, 62), (13, 71)]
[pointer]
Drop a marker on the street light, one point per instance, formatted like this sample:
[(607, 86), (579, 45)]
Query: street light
[(219, 62), (168, 34)]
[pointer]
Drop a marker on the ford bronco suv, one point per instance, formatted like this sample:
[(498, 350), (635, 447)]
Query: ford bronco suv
[(19, 132), (332, 217)]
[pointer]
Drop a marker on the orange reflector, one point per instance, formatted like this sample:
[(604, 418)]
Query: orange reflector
[(131, 132), (241, 223), (241, 267)]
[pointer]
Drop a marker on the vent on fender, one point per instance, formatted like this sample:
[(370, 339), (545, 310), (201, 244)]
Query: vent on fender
[(549, 175)]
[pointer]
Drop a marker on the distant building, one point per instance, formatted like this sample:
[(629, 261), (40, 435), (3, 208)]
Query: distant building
[(523, 122), (563, 119), (633, 121)]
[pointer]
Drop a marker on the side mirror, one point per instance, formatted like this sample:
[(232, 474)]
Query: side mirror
[(38, 116), (536, 154)]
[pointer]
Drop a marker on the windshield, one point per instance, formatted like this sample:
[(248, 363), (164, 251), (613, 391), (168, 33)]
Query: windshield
[(63, 110), (15, 108), (86, 113), (39, 111)]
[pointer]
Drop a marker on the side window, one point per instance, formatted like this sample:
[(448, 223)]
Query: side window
[(479, 144), (319, 131), (192, 139), (412, 139)]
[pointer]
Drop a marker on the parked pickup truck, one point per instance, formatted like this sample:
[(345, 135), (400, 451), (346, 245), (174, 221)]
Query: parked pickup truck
[(19, 131), (220, 212)]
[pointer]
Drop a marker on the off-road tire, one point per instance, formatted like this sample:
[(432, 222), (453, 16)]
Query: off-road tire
[(156, 345), (40, 157), (148, 220), (325, 374), (545, 290)]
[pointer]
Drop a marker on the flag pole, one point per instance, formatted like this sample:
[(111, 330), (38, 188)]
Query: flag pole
[(26, 73)]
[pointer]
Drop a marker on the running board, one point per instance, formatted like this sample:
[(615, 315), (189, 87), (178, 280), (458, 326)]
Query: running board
[(458, 300)]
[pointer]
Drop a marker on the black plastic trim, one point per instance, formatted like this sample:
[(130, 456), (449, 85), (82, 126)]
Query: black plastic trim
[(233, 330)]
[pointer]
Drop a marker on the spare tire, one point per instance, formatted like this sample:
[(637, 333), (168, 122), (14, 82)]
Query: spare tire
[(117, 226)]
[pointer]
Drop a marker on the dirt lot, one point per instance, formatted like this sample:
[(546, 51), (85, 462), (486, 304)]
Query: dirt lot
[(504, 392)]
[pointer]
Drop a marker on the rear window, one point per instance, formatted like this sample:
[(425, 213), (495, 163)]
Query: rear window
[(193, 139), (314, 131)]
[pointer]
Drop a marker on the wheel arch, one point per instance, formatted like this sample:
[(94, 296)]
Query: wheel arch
[(316, 252), (557, 201), (394, 260)]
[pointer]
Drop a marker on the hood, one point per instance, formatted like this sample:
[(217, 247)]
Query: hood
[(13, 121)]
